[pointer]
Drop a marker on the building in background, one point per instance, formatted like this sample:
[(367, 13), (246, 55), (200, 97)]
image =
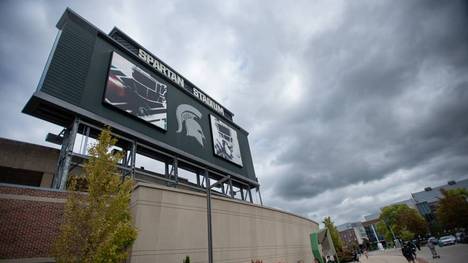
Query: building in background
[(426, 201), (376, 240), (353, 234)]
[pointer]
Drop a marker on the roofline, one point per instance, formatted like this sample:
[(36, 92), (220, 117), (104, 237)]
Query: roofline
[(439, 187)]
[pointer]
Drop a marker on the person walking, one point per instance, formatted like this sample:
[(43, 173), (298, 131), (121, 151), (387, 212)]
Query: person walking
[(355, 256), (413, 248), (408, 252), (431, 247), (418, 243)]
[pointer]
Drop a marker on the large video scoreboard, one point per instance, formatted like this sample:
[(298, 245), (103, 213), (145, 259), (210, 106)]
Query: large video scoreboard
[(111, 79)]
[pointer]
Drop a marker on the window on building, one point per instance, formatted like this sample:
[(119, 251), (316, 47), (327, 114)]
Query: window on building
[(10, 175)]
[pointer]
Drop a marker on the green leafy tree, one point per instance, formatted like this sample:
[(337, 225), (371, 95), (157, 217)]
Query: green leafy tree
[(382, 228), (335, 235), (452, 210), (404, 221), (406, 235), (97, 225)]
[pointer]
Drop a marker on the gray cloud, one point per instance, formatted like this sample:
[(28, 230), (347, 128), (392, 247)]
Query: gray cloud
[(372, 84), (349, 105)]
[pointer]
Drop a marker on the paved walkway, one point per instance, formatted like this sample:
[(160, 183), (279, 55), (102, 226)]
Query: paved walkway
[(383, 258), (451, 254)]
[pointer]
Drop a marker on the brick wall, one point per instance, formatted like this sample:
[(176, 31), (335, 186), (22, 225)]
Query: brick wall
[(29, 220)]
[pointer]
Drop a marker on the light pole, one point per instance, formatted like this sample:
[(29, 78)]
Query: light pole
[(379, 245), (397, 243), (208, 212)]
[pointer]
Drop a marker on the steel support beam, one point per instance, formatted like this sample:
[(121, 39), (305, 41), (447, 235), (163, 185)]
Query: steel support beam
[(58, 174), (133, 158), (68, 149), (250, 194), (231, 191), (259, 195), (175, 167)]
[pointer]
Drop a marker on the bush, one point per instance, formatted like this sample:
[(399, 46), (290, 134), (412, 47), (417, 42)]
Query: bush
[(345, 255)]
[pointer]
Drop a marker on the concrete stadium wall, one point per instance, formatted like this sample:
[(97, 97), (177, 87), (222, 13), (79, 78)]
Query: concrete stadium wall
[(27, 156), (172, 224)]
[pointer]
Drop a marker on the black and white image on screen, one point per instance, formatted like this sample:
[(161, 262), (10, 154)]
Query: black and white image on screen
[(133, 90), (225, 142)]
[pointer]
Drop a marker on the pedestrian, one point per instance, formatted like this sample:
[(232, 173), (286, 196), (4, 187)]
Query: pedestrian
[(355, 256), (408, 252), (366, 254), (418, 244), (413, 247), (431, 247)]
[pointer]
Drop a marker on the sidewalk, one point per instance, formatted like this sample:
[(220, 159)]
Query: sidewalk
[(383, 258), (389, 256), (389, 259)]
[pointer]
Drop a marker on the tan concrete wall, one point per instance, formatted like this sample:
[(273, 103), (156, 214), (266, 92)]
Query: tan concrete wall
[(27, 156), (172, 224)]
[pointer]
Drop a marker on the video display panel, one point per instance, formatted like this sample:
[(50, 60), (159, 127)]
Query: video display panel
[(225, 142), (134, 91), (79, 81)]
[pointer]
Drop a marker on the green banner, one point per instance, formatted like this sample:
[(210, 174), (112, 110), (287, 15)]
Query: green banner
[(315, 247)]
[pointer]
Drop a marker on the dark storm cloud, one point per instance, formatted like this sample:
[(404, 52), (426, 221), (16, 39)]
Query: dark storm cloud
[(385, 50), (350, 105), (26, 37)]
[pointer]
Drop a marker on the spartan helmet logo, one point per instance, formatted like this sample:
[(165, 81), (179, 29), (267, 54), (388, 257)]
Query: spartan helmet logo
[(188, 114)]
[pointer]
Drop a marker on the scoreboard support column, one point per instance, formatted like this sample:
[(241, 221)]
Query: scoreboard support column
[(61, 176)]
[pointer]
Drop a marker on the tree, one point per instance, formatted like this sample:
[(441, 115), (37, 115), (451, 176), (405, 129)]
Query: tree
[(335, 235), (382, 228), (97, 225), (406, 235), (403, 221), (452, 210)]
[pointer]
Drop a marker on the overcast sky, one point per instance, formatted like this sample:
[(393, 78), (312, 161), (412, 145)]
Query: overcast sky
[(350, 105)]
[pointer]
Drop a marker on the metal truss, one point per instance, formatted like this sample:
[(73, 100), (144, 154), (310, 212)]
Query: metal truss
[(224, 185)]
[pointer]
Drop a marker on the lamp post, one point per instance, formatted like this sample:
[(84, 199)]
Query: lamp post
[(397, 243), (208, 211), (379, 245)]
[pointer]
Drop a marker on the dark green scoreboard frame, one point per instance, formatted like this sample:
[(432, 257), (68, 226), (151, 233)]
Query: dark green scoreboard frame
[(74, 82)]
